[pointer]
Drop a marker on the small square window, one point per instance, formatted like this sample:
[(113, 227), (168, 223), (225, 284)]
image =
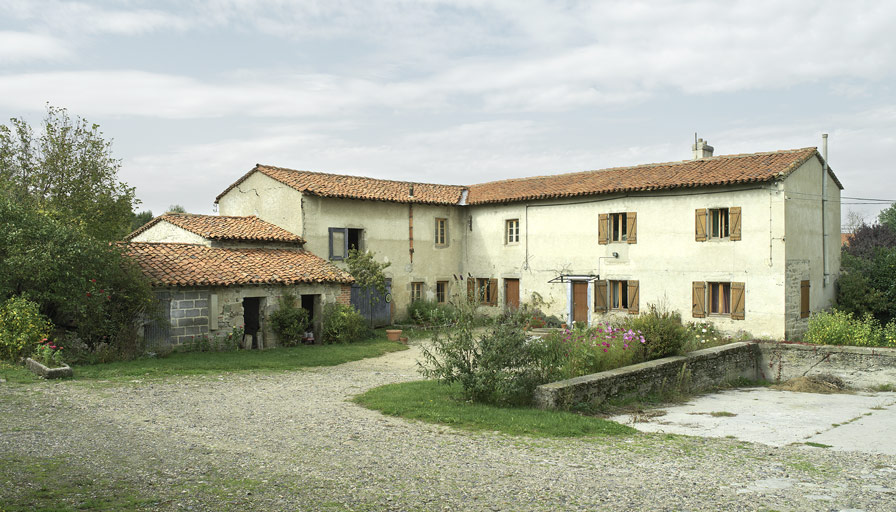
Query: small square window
[(441, 232), (416, 291), (618, 227), (718, 223), (512, 231), (719, 298), (442, 292), (618, 295)]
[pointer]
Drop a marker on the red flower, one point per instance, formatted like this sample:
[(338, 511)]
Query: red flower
[(88, 294), (102, 291), (93, 280)]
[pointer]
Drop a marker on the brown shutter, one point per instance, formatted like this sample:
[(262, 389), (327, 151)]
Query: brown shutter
[(492, 292), (734, 223), (633, 297), (632, 228), (600, 295), (602, 225), (699, 298), (471, 289), (737, 301), (700, 225), (804, 299)]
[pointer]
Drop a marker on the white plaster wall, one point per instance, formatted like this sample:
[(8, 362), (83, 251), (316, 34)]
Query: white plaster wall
[(562, 236), (266, 198), (166, 232), (803, 189)]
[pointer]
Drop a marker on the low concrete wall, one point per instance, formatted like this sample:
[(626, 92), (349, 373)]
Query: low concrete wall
[(857, 367), (707, 368)]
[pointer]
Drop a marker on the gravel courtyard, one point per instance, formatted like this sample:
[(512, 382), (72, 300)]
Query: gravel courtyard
[(291, 441)]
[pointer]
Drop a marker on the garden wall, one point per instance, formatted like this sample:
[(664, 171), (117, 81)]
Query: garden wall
[(858, 367)]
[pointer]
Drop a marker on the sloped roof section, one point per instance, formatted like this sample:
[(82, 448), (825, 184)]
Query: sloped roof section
[(171, 264), (216, 227), (720, 170), (357, 187)]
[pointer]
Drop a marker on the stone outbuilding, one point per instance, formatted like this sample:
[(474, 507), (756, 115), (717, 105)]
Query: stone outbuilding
[(213, 274)]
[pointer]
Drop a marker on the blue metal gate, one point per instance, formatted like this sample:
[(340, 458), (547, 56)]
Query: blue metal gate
[(372, 305)]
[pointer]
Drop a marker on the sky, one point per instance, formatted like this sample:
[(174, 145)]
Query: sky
[(194, 93)]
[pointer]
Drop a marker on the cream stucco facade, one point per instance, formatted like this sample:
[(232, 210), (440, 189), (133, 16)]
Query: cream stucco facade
[(780, 245)]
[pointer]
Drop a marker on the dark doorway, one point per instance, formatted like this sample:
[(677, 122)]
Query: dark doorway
[(311, 304), (252, 317), (354, 239)]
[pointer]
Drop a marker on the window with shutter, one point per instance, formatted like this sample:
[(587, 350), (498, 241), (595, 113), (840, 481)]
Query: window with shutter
[(600, 296), (492, 298), (602, 228), (632, 297), (699, 299), (700, 225), (738, 299), (804, 299), (632, 220), (734, 221), (471, 289)]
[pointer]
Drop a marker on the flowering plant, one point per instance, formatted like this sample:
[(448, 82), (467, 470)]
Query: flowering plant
[(595, 349), (48, 354)]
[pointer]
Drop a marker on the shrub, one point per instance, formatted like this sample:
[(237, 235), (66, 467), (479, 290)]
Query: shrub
[(501, 366), (48, 354), (586, 350), (663, 330), (842, 328), (22, 328), (343, 324), (430, 313), (290, 321)]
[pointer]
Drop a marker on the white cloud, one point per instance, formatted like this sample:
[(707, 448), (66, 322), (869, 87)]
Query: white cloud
[(16, 47)]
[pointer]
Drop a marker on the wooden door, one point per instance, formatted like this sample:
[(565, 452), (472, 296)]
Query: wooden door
[(579, 302), (512, 293)]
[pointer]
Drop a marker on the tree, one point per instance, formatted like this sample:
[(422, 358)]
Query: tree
[(176, 208), (887, 217), (866, 284), (866, 239), (67, 170), (139, 219), (368, 274)]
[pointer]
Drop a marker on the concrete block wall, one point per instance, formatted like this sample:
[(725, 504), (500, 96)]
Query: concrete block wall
[(189, 315)]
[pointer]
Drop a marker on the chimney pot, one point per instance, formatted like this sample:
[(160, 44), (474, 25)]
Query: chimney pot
[(701, 149)]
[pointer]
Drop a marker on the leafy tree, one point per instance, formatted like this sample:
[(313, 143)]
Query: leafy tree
[(176, 208), (68, 170), (368, 273), (139, 219), (867, 239), (887, 217), (79, 282)]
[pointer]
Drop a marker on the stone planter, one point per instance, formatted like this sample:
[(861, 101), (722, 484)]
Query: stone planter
[(48, 373), (393, 334)]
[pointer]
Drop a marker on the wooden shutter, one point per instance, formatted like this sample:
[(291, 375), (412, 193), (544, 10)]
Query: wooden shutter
[(633, 297), (734, 223), (699, 299), (492, 292), (632, 227), (471, 289), (600, 295), (700, 225), (804, 299), (602, 229), (738, 297)]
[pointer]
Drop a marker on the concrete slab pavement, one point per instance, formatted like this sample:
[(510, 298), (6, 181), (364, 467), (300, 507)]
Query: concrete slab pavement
[(863, 422)]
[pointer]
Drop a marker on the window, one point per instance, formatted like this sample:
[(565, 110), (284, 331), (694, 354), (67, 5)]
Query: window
[(441, 231), (416, 291), (719, 298), (617, 227), (616, 295), (343, 240), (483, 290), (804, 299), (718, 224), (441, 292), (512, 231)]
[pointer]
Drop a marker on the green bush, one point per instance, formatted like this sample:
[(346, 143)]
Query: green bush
[(585, 350), (843, 328), (663, 330), (427, 313), (22, 328), (290, 321), (343, 324)]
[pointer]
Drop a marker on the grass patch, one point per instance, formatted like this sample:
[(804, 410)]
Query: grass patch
[(272, 360), (817, 445), (436, 403), (16, 373), (54, 484)]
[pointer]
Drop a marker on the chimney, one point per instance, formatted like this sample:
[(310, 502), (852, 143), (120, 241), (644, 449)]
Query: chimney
[(701, 149)]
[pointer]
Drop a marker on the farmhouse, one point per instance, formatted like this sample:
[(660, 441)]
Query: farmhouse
[(749, 242), (214, 273)]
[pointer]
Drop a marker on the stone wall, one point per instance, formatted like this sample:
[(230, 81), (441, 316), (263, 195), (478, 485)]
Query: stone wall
[(794, 273), (857, 367)]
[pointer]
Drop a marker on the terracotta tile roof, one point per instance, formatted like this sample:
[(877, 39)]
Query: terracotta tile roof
[(217, 227), (357, 187), (720, 170), (168, 264)]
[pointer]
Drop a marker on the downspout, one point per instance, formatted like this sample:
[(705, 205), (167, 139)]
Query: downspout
[(824, 197)]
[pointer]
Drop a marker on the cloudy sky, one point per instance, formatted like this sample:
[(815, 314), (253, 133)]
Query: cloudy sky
[(194, 93)]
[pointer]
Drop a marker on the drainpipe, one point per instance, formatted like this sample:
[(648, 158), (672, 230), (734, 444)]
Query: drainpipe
[(824, 197)]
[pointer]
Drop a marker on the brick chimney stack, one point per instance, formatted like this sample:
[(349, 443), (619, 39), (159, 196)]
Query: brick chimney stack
[(701, 149)]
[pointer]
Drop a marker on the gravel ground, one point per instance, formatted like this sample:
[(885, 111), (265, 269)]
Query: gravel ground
[(291, 441)]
